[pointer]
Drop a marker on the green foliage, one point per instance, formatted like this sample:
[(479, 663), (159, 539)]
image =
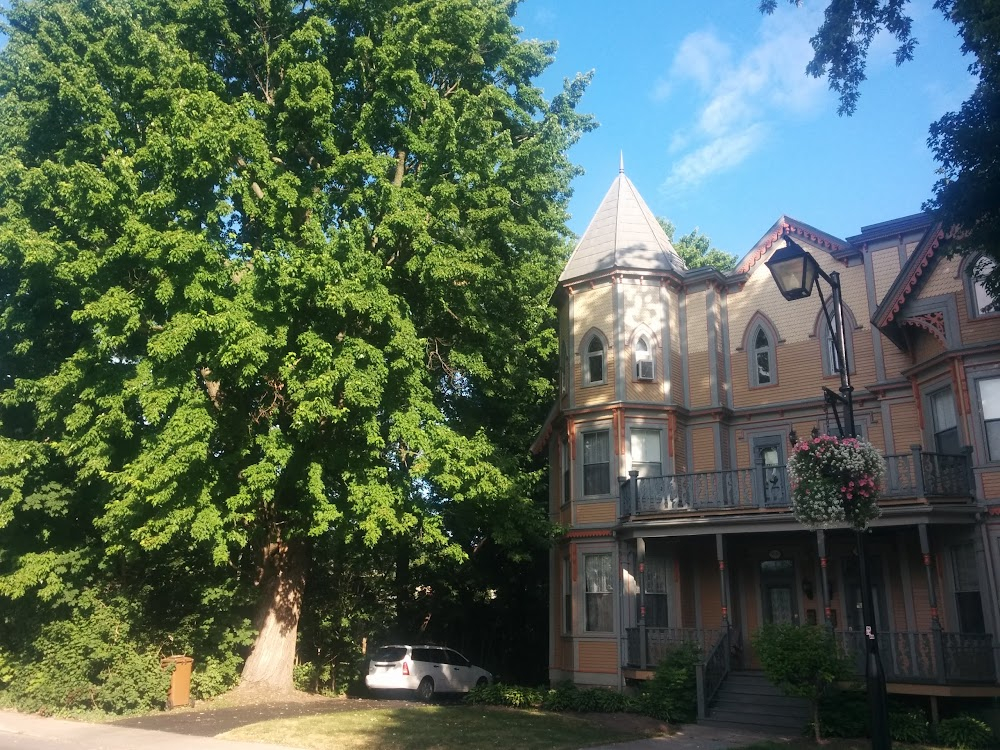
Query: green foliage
[(568, 697), (281, 290), (672, 693), (909, 725), (499, 694), (696, 249), (802, 660), (564, 696), (844, 713), (965, 732), (91, 660)]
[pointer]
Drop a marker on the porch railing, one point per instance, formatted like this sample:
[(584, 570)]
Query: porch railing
[(936, 657), (909, 475), (661, 640)]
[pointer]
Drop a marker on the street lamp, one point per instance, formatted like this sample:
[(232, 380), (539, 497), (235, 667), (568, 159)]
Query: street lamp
[(796, 272)]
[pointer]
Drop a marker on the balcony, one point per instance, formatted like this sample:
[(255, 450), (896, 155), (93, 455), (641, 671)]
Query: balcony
[(910, 476), (929, 658)]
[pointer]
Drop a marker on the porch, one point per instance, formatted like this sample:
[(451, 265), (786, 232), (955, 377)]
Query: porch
[(918, 476), (913, 658)]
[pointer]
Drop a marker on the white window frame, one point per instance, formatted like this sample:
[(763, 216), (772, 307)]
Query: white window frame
[(588, 355), (939, 426), (603, 589), (976, 291), (584, 464), (989, 417), (638, 465)]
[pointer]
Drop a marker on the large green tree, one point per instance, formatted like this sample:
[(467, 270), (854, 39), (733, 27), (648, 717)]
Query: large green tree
[(965, 143), (695, 248), (272, 273)]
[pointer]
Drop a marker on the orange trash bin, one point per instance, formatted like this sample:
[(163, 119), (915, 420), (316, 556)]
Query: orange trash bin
[(180, 680)]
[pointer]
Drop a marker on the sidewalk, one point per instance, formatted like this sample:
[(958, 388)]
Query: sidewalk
[(23, 731), (695, 737)]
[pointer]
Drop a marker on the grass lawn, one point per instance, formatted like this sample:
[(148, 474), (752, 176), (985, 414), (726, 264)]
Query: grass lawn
[(433, 728)]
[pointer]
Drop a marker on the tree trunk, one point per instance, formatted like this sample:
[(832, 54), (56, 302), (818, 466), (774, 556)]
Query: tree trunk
[(815, 708), (269, 666)]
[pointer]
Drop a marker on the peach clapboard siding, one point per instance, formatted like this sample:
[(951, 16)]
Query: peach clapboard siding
[(594, 513), (885, 264), (597, 656), (596, 394), (698, 377), (905, 427), (703, 444), (593, 308), (795, 322), (991, 484)]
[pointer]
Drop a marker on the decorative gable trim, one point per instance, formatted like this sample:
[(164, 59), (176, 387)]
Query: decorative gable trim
[(787, 225), (909, 277), (932, 322)]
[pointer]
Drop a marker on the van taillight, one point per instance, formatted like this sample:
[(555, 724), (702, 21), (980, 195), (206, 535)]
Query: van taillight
[(406, 669)]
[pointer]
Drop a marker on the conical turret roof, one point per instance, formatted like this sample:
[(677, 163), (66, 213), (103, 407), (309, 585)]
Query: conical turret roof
[(623, 234)]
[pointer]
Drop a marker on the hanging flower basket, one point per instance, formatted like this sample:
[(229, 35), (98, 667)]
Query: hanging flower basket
[(835, 480)]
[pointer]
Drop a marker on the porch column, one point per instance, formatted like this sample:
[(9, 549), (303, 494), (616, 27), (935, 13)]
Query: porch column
[(723, 588), (640, 555), (925, 550), (824, 585)]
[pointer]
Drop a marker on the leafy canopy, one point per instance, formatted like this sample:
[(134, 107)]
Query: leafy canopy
[(271, 272)]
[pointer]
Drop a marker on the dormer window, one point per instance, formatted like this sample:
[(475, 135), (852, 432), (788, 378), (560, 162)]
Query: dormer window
[(594, 367), (643, 359)]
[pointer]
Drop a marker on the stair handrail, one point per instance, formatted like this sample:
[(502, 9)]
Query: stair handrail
[(711, 672)]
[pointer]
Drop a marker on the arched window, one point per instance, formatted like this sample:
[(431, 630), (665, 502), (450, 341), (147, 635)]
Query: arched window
[(643, 354), (594, 368), (983, 303), (762, 358), (759, 341)]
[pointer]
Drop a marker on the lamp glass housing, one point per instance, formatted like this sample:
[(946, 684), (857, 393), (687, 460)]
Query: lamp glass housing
[(794, 271)]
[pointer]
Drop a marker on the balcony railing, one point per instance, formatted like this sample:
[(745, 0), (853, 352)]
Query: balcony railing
[(936, 657), (909, 475)]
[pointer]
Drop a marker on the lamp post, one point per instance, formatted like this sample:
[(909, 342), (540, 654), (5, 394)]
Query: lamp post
[(796, 272)]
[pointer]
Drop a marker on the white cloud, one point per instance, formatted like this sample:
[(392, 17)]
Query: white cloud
[(715, 156), (741, 91)]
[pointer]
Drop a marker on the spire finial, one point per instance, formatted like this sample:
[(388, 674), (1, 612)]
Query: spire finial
[(621, 162)]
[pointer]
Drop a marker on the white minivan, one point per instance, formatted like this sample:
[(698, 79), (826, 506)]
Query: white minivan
[(426, 669)]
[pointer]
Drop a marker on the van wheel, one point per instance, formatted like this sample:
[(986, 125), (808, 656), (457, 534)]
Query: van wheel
[(426, 689), (482, 682)]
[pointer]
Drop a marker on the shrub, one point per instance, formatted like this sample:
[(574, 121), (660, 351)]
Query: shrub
[(499, 694), (908, 725), (966, 733), (844, 713), (90, 660), (672, 693), (802, 660)]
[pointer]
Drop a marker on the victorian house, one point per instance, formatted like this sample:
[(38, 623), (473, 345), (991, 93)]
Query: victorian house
[(679, 391)]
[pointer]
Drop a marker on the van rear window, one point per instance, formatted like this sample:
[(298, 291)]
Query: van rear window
[(390, 653)]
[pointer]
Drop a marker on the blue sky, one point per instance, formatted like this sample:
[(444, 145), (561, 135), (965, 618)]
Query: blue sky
[(721, 128)]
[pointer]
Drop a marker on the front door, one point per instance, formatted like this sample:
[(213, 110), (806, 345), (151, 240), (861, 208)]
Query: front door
[(777, 592)]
